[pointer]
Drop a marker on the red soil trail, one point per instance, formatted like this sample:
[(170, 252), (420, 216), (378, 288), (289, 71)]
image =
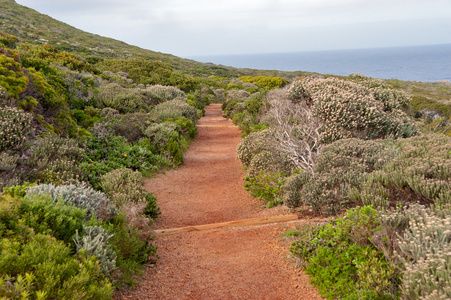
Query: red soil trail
[(232, 263)]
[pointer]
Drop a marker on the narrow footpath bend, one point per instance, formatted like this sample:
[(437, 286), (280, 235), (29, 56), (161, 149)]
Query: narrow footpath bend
[(232, 263)]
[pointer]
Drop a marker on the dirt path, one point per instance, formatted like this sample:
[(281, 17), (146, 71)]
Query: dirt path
[(231, 263)]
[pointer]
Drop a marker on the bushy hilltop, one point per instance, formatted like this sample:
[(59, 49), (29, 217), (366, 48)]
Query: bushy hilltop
[(357, 148)]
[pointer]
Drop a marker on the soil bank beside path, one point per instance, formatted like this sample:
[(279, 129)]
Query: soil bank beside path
[(232, 263)]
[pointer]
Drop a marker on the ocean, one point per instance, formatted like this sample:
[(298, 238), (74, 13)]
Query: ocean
[(417, 63)]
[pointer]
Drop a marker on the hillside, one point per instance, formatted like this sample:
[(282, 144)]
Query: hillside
[(36, 28)]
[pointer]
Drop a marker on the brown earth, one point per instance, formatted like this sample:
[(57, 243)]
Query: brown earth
[(231, 263)]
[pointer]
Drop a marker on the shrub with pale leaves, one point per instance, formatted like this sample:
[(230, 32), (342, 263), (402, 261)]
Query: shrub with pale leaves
[(124, 186), (96, 203), (15, 128)]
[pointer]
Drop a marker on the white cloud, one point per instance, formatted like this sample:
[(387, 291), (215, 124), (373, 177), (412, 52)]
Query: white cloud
[(189, 27)]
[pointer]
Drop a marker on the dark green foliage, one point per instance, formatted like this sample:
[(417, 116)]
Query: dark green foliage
[(132, 250), (104, 154), (267, 187), (55, 219), (151, 210), (342, 261), (50, 264)]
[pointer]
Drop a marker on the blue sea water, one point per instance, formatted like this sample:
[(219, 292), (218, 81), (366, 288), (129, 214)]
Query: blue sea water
[(417, 63)]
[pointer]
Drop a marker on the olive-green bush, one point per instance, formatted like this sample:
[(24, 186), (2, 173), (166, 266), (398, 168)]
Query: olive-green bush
[(175, 109)]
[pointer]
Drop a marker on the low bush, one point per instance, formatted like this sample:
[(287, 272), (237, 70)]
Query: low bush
[(16, 128), (123, 186), (55, 160), (268, 83), (39, 266), (267, 187), (157, 94), (44, 215), (130, 125), (95, 242), (342, 261), (350, 109), (106, 153), (342, 166), (164, 138), (175, 109), (95, 203), (124, 100)]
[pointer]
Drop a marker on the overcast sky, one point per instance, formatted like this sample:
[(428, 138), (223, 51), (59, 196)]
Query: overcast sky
[(212, 27)]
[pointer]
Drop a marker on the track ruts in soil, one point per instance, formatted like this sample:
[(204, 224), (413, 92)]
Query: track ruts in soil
[(227, 263)]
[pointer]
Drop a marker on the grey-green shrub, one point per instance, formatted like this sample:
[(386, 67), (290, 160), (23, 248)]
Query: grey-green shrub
[(83, 197), (123, 186), (156, 94), (54, 159), (341, 167), (95, 242), (15, 128), (253, 144), (425, 249), (8, 164), (421, 171), (175, 109), (292, 196), (122, 99), (160, 134), (270, 161), (350, 109)]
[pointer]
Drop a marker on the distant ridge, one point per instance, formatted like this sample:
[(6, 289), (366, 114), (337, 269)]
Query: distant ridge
[(33, 27)]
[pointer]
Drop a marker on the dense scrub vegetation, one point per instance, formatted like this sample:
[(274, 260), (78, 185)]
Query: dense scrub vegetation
[(352, 147), (84, 118), (75, 141)]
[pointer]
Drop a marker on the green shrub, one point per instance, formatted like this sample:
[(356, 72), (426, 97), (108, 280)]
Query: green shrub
[(271, 161), (12, 77), (16, 128), (165, 138), (123, 186), (175, 109), (267, 187), (131, 248), (253, 144), (268, 83), (151, 210), (157, 94), (55, 160), (95, 203), (106, 153), (8, 165), (55, 272), (124, 100), (424, 248), (130, 125), (56, 219), (342, 261), (420, 173)]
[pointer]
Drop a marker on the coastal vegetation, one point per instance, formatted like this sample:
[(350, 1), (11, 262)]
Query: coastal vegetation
[(84, 118), (365, 153)]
